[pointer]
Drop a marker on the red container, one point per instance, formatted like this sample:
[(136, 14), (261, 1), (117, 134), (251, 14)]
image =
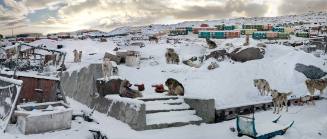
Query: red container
[(204, 25), (272, 35), (232, 34)]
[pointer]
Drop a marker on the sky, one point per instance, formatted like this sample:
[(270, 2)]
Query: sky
[(49, 16)]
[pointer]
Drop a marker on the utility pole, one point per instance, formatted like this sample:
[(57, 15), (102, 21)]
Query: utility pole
[(325, 39)]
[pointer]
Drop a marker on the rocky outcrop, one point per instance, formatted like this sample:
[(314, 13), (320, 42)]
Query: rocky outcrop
[(311, 72), (247, 54)]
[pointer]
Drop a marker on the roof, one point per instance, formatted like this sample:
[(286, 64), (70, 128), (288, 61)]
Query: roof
[(29, 74)]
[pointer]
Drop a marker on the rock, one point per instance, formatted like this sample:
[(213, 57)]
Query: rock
[(311, 72), (229, 44), (262, 45), (191, 63), (213, 65), (217, 54), (113, 57), (247, 54)]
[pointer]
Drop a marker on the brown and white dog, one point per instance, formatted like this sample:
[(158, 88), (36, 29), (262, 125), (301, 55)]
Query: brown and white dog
[(313, 84), (126, 91), (171, 56), (79, 56), (76, 55), (106, 68), (279, 99), (262, 85), (174, 87)]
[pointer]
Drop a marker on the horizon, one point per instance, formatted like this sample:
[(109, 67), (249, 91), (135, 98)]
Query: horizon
[(52, 16)]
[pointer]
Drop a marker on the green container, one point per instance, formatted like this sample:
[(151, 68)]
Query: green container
[(278, 29), (189, 29), (303, 34), (259, 35), (218, 35), (219, 27), (258, 27), (283, 35), (204, 34), (178, 32), (229, 27), (247, 27)]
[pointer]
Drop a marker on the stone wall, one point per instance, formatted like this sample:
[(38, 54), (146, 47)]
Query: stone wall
[(81, 85), (205, 108)]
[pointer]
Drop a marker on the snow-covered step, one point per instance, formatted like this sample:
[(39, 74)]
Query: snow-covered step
[(166, 105), (171, 119)]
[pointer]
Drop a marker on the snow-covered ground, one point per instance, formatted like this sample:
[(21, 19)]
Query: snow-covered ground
[(231, 84), (310, 123)]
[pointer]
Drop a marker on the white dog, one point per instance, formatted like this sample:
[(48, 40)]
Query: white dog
[(106, 68), (262, 85), (279, 99)]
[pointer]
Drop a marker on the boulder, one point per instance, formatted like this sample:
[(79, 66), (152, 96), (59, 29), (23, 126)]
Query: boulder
[(247, 54), (311, 72), (261, 45), (113, 57)]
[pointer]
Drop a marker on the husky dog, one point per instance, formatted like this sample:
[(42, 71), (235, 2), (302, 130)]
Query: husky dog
[(76, 55), (211, 44), (313, 84), (279, 99), (262, 85), (114, 68), (174, 87), (80, 56), (106, 68), (153, 38), (171, 56), (126, 91)]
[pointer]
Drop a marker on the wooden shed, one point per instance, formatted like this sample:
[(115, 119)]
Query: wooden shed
[(39, 88)]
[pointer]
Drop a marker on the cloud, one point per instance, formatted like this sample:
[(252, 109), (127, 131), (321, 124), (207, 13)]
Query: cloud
[(244, 8), (301, 6), (12, 14), (71, 15)]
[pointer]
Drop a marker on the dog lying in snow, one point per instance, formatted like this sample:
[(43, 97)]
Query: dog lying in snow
[(126, 91), (262, 85), (279, 99), (307, 99), (106, 68), (313, 84), (174, 87)]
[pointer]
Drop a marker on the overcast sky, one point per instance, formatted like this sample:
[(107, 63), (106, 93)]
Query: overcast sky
[(46, 16)]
